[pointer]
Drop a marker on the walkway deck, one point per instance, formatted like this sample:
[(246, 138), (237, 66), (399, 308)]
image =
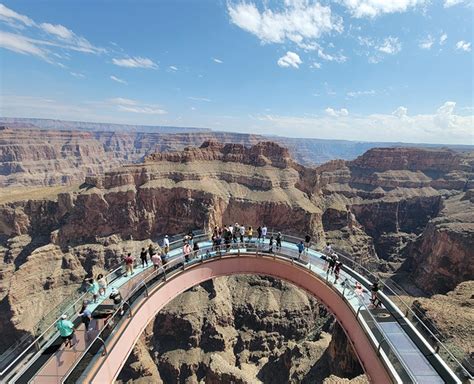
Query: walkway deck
[(411, 364)]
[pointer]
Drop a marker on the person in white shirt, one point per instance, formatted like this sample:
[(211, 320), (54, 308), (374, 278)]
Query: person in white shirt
[(264, 232), (166, 245), (242, 233)]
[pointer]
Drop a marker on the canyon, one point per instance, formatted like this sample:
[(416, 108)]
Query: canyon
[(405, 212), (41, 152)]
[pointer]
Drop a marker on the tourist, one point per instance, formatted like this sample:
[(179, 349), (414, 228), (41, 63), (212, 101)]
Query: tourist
[(156, 260), (85, 314), (278, 241), (166, 244), (227, 239), (307, 240), (102, 281), (235, 232), (328, 249), (337, 271), (66, 330), (196, 249), (163, 257), (259, 234), (116, 297), (191, 238), (242, 233), (129, 260), (218, 242), (249, 234), (93, 288), (264, 232), (186, 251), (271, 244), (374, 290), (151, 250), (143, 255), (300, 248), (331, 265)]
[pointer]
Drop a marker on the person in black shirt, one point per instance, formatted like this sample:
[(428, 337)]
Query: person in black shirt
[(307, 240), (143, 254), (278, 241)]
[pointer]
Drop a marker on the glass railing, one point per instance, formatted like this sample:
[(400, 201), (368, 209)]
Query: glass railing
[(143, 282), (78, 372), (451, 356), (45, 332)]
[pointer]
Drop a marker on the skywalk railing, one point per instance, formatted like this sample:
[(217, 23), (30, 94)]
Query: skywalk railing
[(429, 331), (77, 373), (142, 285), (44, 332)]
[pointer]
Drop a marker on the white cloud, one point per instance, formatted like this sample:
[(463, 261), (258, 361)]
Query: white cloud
[(21, 44), (463, 46), (78, 75), (390, 46), (117, 79), (336, 113), (218, 61), (135, 62), (370, 92), (443, 126), (58, 30), (199, 99), (57, 36), (338, 58), (427, 42), (299, 22), (315, 65), (374, 8), (450, 3), (291, 59), (11, 17), (443, 38), (376, 49), (173, 68), (400, 112), (134, 106)]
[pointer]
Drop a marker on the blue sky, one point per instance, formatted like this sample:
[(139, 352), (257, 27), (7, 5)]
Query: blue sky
[(392, 70)]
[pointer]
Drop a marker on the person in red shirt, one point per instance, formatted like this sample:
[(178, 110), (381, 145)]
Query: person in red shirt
[(129, 264)]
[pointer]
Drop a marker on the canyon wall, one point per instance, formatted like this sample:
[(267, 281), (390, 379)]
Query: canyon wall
[(389, 206)]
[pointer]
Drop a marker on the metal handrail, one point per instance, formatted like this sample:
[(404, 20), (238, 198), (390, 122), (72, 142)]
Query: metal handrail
[(408, 308), (81, 298), (176, 260), (282, 255)]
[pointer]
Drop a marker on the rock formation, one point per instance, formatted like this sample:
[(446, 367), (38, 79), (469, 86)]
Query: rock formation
[(242, 329), (389, 206)]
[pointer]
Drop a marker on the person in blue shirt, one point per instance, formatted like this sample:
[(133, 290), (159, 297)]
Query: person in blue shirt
[(86, 315), (300, 248), (93, 288), (66, 330)]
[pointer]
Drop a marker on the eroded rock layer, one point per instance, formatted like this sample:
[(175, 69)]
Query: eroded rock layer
[(386, 207)]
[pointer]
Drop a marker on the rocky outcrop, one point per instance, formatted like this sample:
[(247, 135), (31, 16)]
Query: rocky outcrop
[(242, 329), (441, 257)]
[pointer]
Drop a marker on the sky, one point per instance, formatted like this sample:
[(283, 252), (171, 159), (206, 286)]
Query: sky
[(368, 70)]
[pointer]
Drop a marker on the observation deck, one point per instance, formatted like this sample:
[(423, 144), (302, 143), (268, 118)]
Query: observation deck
[(390, 341)]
